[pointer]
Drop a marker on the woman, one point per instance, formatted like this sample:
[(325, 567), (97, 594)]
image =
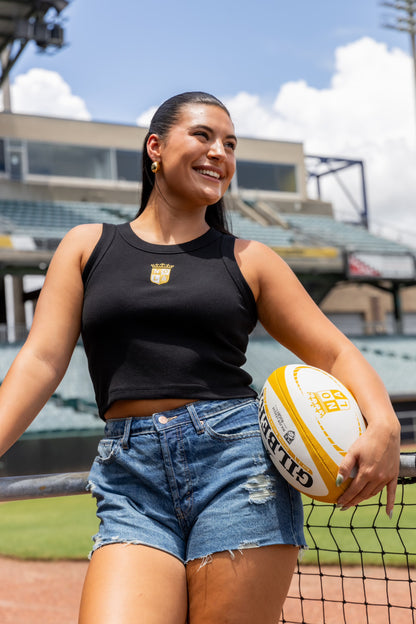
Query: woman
[(196, 525)]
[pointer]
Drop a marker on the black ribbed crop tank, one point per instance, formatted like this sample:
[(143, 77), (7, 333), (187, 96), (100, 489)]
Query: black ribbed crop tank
[(166, 321)]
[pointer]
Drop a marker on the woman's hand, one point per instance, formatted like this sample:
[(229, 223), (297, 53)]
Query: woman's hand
[(376, 458)]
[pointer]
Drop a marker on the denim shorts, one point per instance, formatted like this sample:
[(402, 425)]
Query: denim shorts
[(192, 481)]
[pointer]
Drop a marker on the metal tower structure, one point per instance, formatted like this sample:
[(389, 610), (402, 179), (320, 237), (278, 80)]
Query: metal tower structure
[(404, 20), (22, 21), (320, 166)]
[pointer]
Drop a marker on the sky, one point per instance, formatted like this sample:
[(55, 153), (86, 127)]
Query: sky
[(326, 73)]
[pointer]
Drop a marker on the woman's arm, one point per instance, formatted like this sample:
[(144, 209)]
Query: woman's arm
[(42, 361), (293, 319)]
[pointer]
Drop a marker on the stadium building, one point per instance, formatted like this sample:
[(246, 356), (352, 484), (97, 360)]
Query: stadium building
[(57, 173)]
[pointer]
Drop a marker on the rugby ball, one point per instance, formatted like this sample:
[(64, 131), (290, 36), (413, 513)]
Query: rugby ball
[(308, 421)]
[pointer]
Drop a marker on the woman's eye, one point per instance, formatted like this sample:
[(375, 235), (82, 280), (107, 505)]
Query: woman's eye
[(230, 145), (202, 133)]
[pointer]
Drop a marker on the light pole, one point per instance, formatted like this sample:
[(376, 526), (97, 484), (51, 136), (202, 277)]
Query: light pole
[(405, 21)]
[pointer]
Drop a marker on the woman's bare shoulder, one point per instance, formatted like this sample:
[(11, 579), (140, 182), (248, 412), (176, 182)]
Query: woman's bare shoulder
[(257, 262), (257, 256), (253, 247), (81, 240), (84, 233)]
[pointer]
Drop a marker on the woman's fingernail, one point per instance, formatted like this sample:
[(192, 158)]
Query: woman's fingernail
[(390, 515), (339, 480)]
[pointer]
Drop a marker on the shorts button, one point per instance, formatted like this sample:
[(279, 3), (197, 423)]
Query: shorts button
[(163, 420)]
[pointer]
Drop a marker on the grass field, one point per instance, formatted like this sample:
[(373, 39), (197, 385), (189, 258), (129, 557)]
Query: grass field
[(61, 528), (50, 528)]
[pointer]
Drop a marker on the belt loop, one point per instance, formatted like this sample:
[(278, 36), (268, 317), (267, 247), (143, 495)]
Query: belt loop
[(126, 433), (199, 426)]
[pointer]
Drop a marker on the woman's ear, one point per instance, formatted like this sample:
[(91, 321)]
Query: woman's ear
[(153, 147)]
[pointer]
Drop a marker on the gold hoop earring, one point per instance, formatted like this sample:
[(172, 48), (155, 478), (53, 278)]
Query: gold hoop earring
[(155, 166)]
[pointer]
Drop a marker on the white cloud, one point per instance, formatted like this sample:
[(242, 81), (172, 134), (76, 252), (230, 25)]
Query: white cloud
[(145, 118), (367, 112), (43, 92)]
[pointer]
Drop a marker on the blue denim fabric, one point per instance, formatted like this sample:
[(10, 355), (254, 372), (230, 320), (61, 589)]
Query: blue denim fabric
[(193, 481)]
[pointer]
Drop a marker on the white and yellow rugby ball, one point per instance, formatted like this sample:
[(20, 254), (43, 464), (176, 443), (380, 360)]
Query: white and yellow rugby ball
[(308, 421)]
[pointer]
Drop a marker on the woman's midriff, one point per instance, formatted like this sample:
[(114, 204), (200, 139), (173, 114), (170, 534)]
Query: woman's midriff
[(143, 407)]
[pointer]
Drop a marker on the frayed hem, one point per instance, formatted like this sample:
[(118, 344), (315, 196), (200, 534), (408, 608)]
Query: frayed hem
[(246, 545), (125, 542)]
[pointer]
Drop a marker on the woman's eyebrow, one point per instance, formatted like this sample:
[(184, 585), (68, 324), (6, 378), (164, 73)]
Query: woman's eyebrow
[(209, 129)]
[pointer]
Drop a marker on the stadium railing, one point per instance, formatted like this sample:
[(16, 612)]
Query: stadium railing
[(360, 566)]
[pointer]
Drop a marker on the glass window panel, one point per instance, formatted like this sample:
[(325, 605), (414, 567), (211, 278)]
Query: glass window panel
[(56, 159), (16, 165), (266, 176), (2, 157), (129, 165), (350, 323), (409, 323)]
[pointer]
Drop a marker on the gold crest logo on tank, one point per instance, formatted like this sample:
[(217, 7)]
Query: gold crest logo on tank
[(160, 273)]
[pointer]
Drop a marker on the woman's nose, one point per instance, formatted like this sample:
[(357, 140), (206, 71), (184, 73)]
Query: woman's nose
[(216, 149)]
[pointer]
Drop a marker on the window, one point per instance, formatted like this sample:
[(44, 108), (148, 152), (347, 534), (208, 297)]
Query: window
[(266, 176), (55, 159), (129, 165), (409, 323), (2, 157), (350, 323)]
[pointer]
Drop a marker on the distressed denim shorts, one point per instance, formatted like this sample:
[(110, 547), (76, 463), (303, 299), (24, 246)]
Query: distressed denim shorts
[(192, 481)]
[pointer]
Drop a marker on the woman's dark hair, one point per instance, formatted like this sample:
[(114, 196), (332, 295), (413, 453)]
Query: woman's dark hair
[(164, 118)]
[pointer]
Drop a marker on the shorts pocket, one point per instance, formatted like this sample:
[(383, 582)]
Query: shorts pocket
[(235, 423), (107, 450)]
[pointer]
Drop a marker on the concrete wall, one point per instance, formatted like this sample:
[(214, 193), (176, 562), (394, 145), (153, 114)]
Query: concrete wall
[(371, 302)]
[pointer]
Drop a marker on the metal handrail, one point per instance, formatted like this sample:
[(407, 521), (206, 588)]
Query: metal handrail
[(43, 486), (72, 483)]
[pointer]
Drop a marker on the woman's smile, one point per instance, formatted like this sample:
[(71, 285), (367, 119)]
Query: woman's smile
[(209, 172)]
